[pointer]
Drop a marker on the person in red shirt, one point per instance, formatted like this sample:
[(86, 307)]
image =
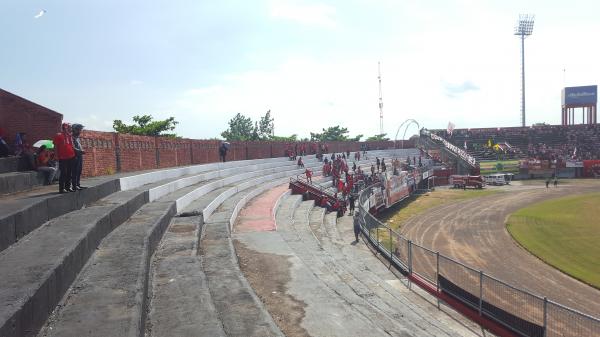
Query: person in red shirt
[(45, 164), (63, 145), (308, 173)]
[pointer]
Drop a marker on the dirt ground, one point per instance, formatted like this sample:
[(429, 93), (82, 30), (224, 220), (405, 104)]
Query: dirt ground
[(474, 232), (268, 275)]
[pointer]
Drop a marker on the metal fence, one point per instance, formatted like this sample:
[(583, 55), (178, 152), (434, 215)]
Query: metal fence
[(518, 310)]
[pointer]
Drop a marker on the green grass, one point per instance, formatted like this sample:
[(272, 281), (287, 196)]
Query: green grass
[(397, 215), (564, 233)]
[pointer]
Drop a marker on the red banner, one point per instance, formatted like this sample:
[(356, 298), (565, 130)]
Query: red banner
[(591, 168)]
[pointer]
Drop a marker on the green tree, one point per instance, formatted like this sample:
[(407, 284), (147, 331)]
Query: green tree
[(292, 138), (333, 133), (240, 128), (379, 137), (266, 126), (146, 126)]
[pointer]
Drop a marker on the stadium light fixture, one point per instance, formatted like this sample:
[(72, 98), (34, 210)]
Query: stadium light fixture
[(523, 29)]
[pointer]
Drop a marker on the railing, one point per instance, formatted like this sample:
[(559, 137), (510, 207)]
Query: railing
[(512, 308), (462, 154)]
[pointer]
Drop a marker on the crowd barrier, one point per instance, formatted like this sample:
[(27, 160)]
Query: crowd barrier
[(476, 294)]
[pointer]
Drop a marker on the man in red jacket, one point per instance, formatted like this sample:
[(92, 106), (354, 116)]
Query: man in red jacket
[(63, 146)]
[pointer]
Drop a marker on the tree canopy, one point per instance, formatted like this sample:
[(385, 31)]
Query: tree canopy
[(242, 128), (145, 126), (379, 137), (334, 133)]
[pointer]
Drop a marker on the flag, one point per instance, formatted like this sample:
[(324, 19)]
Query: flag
[(450, 128), (465, 144)]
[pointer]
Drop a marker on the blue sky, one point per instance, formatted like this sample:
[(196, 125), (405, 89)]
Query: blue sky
[(312, 63)]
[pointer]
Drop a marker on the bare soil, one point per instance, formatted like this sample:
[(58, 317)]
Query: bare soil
[(269, 274)]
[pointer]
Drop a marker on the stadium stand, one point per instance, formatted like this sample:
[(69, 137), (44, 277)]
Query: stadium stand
[(544, 142), (96, 245)]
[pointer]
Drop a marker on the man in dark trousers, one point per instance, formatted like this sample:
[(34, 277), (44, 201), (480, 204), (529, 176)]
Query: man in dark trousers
[(63, 146), (76, 129), (351, 201), (378, 163), (223, 151), (356, 228)]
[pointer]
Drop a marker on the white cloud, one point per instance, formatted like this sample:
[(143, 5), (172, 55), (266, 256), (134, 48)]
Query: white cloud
[(320, 15)]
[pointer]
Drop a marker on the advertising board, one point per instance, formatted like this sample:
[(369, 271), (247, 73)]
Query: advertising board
[(499, 166), (585, 95), (591, 168), (397, 187)]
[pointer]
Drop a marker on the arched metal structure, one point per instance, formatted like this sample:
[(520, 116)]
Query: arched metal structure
[(408, 123)]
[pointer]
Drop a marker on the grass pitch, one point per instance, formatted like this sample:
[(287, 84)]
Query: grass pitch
[(563, 232), (395, 216)]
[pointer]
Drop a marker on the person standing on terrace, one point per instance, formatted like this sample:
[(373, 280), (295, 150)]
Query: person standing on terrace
[(63, 145)]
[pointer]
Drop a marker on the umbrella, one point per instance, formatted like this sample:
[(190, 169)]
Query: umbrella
[(49, 144), (226, 144)]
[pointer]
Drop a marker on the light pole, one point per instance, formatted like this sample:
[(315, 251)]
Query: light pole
[(523, 29)]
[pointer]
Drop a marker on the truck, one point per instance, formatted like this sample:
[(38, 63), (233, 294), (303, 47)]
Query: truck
[(499, 179), (464, 181)]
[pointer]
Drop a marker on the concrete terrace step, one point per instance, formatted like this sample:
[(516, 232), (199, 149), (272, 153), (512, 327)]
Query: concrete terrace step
[(23, 212), (14, 182), (229, 305), (127, 262), (374, 276), (326, 312), (9, 164), (48, 259), (248, 318), (372, 300), (65, 245)]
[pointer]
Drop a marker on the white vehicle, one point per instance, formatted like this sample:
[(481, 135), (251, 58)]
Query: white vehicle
[(498, 179)]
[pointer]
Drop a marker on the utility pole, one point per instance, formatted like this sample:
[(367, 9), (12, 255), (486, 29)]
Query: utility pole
[(380, 100), (523, 29)]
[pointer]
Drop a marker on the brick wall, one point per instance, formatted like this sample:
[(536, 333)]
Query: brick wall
[(136, 152), (108, 152), (205, 151), (100, 153), (20, 115)]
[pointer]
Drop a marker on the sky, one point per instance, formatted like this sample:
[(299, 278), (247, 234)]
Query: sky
[(313, 64)]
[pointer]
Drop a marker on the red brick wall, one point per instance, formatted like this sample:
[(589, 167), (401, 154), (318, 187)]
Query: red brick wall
[(205, 151), (184, 155), (20, 115), (167, 154), (258, 150), (136, 152), (99, 158)]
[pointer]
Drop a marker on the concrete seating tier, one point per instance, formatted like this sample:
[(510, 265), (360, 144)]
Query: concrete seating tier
[(213, 277), (89, 305), (99, 255), (13, 182), (352, 286), (41, 266), (12, 164)]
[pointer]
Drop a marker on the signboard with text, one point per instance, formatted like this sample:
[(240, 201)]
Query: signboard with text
[(580, 96)]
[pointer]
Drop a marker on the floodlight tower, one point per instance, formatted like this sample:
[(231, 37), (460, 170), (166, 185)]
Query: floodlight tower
[(380, 100), (523, 29)]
